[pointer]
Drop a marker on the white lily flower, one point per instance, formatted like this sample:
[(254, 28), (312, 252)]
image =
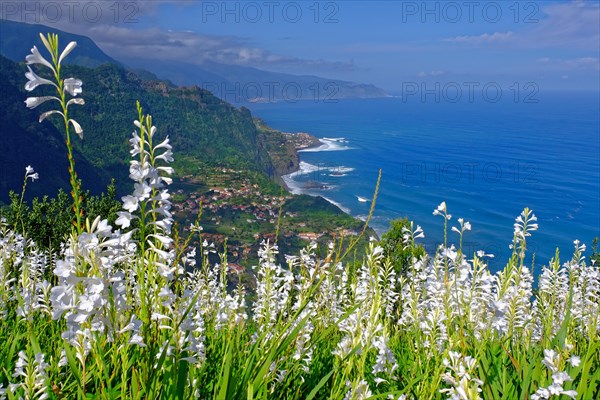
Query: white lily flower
[(33, 102), (141, 191), (30, 173), (73, 86), (167, 156), (164, 143), (77, 101), (78, 129), (36, 58), (66, 51), (64, 269), (49, 113), (165, 240), (440, 209), (34, 80), (574, 361), (130, 203), (124, 219), (561, 377), (168, 170)]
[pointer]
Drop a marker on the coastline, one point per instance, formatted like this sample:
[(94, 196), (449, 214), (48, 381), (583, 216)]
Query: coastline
[(307, 142), (302, 168), (285, 149)]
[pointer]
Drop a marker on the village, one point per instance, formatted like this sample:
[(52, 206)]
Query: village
[(236, 212)]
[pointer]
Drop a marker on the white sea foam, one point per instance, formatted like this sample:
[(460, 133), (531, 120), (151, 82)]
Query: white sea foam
[(296, 187), (307, 168), (340, 139), (338, 205), (293, 186), (341, 169), (328, 144)]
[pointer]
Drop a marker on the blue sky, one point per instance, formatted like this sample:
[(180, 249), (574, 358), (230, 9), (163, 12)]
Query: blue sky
[(555, 44)]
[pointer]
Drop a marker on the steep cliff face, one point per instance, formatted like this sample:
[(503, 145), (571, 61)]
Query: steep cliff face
[(283, 147)]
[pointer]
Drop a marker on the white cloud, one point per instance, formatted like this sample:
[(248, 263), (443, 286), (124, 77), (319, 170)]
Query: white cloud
[(496, 37), (125, 41), (573, 25), (581, 63), (424, 74)]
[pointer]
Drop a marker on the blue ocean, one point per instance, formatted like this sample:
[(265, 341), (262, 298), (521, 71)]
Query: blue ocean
[(487, 161)]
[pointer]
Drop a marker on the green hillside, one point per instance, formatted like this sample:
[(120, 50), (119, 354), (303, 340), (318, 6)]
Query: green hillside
[(202, 128)]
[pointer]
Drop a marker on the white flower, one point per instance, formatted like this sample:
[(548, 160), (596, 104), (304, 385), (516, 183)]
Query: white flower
[(69, 85), (440, 209), (78, 129), (33, 102), (541, 394), (36, 58), (561, 377), (30, 173), (571, 393), (130, 203), (141, 191), (73, 86), (574, 361), (482, 254), (34, 377), (443, 211), (66, 51), (64, 269), (45, 115), (525, 223), (34, 80), (124, 219), (78, 101), (464, 226), (549, 360)]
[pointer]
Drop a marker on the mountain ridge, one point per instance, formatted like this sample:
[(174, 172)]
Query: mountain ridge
[(14, 36), (232, 83)]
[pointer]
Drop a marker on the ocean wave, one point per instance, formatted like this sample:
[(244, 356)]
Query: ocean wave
[(328, 144), (338, 205), (293, 186), (307, 168), (341, 169), (339, 140)]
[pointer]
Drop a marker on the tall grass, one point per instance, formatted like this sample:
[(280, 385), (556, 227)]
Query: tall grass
[(133, 313)]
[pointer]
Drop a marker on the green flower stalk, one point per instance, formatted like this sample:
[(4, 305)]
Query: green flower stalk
[(70, 86)]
